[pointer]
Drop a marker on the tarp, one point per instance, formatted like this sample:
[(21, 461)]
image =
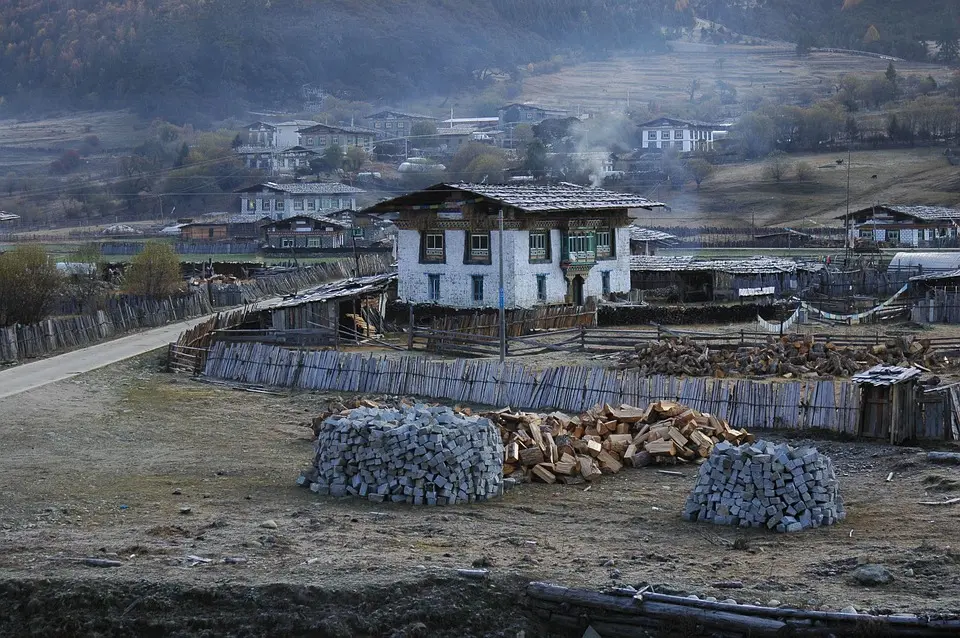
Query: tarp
[(778, 328), (858, 316)]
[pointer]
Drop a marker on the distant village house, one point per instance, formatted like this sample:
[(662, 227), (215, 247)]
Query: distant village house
[(390, 123), (304, 231), (897, 225), (684, 136), (279, 201)]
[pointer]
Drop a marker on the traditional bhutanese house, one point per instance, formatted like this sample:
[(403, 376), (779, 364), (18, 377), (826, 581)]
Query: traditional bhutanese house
[(720, 280), (783, 238), (897, 225), (305, 231), (561, 244), (354, 305), (224, 226), (644, 241), (888, 403)]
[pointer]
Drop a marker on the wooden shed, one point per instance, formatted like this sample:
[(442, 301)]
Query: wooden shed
[(888, 403)]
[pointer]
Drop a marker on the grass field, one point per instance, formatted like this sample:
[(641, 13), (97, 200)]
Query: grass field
[(739, 194), (665, 79)]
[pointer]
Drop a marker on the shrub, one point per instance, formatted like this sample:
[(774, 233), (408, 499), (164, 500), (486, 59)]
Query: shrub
[(155, 272)]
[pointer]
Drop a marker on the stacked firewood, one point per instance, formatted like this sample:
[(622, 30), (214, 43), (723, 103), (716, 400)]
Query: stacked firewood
[(789, 356), (557, 447)]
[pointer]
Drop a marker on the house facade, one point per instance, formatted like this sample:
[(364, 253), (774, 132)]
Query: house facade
[(222, 227), (896, 225), (272, 160), (561, 244), (320, 136), (279, 201), (683, 136), (390, 123), (260, 134), (304, 231), (512, 114)]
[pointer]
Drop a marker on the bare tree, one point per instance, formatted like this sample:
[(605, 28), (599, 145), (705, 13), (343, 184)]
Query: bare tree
[(804, 171), (777, 166), (700, 169)]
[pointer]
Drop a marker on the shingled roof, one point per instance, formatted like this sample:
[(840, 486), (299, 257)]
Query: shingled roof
[(304, 188), (754, 266), (646, 234), (922, 213), (524, 197)]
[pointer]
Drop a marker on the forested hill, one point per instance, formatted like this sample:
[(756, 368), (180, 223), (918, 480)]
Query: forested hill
[(177, 57), (899, 26)]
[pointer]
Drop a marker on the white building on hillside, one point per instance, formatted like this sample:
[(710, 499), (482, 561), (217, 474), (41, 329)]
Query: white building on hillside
[(683, 135), (561, 244), (279, 201)]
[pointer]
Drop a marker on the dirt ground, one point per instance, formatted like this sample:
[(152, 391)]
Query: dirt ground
[(102, 466)]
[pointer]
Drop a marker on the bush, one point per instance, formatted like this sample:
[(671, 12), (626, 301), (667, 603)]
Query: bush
[(155, 272), (805, 172), (777, 166), (29, 284)]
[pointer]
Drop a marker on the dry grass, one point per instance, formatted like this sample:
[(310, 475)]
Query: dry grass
[(739, 193), (665, 79)]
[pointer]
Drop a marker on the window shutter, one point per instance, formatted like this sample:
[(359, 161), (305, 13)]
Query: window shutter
[(548, 244), (466, 247), (613, 241), (423, 246)]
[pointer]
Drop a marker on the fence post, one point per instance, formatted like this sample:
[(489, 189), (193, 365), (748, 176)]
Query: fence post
[(410, 331), (583, 339)]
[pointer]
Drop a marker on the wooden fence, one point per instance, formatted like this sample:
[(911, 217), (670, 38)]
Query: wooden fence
[(825, 404), (60, 333)]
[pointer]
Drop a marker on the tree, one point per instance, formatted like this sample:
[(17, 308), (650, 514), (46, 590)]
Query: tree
[(728, 92), (523, 135), (423, 128), (805, 43), (694, 86), (535, 158), (891, 74), (756, 135), (700, 169), (332, 158), (805, 172), (29, 284), (872, 35), (154, 272), (354, 158), (777, 166), (85, 280)]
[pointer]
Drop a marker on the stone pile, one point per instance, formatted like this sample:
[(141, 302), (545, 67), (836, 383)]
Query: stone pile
[(410, 454), (766, 485), (792, 356)]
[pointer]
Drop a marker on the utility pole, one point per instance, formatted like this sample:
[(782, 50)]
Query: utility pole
[(503, 315), (846, 218)]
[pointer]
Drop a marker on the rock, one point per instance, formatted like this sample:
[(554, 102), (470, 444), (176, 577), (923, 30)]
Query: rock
[(729, 601), (270, 524), (849, 609), (773, 603), (872, 575), (614, 574), (185, 510), (177, 491)]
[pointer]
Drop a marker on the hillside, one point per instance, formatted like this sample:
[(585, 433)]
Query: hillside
[(740, 194), (175, 58), (900, 27)]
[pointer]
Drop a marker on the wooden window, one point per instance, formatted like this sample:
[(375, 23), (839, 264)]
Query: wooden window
[(480, 246), (311, 204), (309, 140), (298, 203), (539, 245), (541, 287), (286, 242), (278, 204), (313, 242), (678, 134), (251, 204), (433, 247), (605, 282), (604, 245), (433, 287), (210, 233), (893, 236), (476, 282)]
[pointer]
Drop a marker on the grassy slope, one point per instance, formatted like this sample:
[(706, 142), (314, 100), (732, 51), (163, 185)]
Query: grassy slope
[(665, 79)]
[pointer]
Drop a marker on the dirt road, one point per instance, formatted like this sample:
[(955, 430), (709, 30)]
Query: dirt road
[(63, 366), (191, 488)]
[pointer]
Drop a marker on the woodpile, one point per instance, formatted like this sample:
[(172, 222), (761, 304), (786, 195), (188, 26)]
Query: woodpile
[(794, 356), (555, 447)]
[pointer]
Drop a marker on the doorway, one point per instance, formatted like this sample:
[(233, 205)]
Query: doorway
[(576, 290)]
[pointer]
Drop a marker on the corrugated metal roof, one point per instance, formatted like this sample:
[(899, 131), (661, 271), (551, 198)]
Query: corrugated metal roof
[(886, 375), (934, 276), (343, 289), (7, 217), (645, 234), (353, 130), (395, 113), (941, 262), (227, 218), (754, 266)]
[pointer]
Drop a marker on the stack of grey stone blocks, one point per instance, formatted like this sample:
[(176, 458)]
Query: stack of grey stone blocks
[(412, 454), (766, 485)]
